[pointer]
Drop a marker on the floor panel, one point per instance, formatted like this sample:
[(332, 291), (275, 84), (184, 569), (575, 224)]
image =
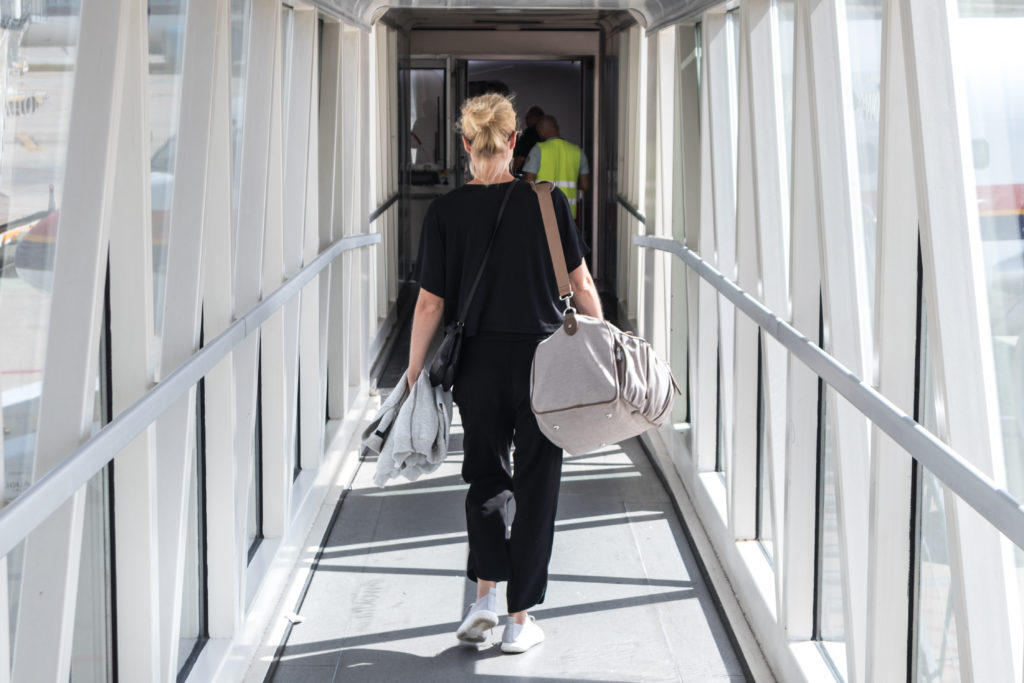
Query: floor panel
[(625, 602)]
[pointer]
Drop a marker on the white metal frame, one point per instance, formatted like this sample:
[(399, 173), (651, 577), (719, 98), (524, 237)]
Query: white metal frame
[(895, 341), (798, 589), (632, 161), (132, 373), (844, 293), (985, 581), (265, 273), (788, 237), (289, 277), (721, 91), (760, 49), (52, 552)]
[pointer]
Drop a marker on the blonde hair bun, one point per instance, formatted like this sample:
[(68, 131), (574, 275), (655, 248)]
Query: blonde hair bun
[(488, 122)]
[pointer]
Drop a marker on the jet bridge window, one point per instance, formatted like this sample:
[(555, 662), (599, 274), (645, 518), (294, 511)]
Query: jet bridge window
[(427, 116)]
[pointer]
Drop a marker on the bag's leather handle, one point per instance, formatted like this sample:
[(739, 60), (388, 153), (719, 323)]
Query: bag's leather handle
[(547, 212)]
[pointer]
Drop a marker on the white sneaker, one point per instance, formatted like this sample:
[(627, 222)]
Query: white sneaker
[(521, 637), (482, 617)]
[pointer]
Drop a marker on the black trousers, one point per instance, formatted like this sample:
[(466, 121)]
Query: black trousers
[(511, 505)]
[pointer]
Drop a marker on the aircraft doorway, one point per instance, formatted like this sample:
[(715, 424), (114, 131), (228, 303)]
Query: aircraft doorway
[(563, 88)]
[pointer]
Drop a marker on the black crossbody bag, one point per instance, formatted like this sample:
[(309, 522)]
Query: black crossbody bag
[(446, 360)]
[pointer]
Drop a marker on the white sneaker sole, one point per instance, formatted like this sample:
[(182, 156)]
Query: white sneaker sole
[(518, 648), (475, 626)]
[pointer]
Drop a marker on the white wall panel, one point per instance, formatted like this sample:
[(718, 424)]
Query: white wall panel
[(650, 295), (705, 371), (331, 150), (686, 224), (175, 430), (798, 574), (625, 40), (897, 345), (844, 289), (668, 194), (274, 390), (721, 85), (345, 150), (362, 206), (253, 176), (297, 201), (771, 203), (353, 174), (741, 473), (312, 368), (224, 556), (132, 374), (632, 166)]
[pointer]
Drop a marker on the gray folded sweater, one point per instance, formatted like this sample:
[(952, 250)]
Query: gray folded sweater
[(410, 431)]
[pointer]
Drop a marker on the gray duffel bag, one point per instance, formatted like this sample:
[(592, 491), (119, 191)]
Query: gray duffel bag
[(597, 385), (591, 384)]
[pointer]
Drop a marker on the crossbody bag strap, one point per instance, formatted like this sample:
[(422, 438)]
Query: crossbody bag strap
[(483, 262), (547, 212)]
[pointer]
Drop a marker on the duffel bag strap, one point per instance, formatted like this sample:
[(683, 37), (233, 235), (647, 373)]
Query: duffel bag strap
[(547, 211)]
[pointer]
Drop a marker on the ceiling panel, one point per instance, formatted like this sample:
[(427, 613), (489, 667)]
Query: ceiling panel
[(512, 14)]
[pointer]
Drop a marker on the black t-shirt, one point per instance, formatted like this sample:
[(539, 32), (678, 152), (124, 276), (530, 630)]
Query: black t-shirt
[(518, 295)]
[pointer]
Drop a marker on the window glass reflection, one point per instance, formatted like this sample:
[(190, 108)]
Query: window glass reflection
[(91, 660), (831, 628), (994, 66), (427, 113), (785, 12), (194, 631), (993, 63), (166, 47), (287, 30), (732, 32), (864, 27), (765, 504), (38, 44), (936, 653), (254, 506), (91, 654), (37, 83), (240, 11), (935, 656)]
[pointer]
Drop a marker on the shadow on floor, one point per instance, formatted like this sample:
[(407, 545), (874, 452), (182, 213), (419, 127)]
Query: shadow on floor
[(626, 593), (380, 665)]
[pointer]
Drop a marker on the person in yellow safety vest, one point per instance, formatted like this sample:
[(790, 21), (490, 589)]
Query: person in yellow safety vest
[(559, 161)]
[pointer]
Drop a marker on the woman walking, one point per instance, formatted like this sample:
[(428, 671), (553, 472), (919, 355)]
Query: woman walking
[(511, 502)]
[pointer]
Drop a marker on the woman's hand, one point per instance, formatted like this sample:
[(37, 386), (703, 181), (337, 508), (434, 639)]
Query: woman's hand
[(425, 319)]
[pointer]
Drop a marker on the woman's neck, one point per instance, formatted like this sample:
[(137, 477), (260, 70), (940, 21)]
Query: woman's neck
[(503, 178)]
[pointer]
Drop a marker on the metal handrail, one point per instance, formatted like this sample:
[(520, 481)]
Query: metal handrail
[(972, 485), (57, 486), (384, 207), (633, 211)]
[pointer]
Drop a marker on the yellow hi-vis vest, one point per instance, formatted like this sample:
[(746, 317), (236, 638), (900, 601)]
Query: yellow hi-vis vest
[(560, 163)]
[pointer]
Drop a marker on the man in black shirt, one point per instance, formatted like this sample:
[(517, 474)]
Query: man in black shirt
[(528, 139)]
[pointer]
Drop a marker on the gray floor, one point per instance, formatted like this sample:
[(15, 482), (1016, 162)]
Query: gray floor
[(625, 600)]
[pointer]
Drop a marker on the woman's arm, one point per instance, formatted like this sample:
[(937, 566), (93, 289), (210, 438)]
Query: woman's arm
[(584, 292), (425, 319)]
